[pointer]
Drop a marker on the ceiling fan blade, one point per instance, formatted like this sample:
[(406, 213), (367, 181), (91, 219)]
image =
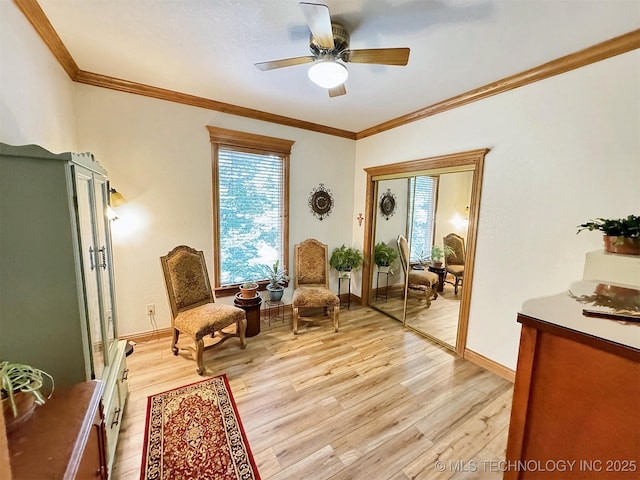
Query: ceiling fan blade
[(337, 91), (319, 21), (380, 56), (285, 62)]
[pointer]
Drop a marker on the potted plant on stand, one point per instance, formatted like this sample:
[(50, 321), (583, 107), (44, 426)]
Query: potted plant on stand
[(438, 253), (277, 277), (20, 387), (621, 235), (384, 256), (345, 259), (249, 289)]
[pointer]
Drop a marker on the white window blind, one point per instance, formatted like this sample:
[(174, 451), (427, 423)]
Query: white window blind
[(422, 193), (250, 217)]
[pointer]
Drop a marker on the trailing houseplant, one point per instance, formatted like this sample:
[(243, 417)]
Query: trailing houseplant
[(384, 255), (20, 389), (277, 278), (620, 235), (345, 259)]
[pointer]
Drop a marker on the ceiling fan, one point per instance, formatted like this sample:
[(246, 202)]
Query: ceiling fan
[(329, 47)]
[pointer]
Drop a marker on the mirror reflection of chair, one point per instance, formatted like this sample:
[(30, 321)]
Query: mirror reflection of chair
[(193, 308), (454, 262), (424, 281), (311, 281)]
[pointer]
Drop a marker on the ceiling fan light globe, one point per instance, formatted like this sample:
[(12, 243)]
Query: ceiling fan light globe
[(328, 73)]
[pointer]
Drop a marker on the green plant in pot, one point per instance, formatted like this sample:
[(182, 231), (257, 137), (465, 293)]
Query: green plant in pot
[(20, 388), (249, 289), (621, 235), (439, 252), (345, 259), (277, 277), (384, 256)]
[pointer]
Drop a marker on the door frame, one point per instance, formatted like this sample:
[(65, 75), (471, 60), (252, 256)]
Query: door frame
[(442, 164)]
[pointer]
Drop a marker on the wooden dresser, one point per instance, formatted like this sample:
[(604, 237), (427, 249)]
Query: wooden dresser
[(64, 439), (576, 402)]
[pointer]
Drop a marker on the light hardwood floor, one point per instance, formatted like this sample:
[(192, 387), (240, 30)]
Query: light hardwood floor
[(440, 320), (373, 401)]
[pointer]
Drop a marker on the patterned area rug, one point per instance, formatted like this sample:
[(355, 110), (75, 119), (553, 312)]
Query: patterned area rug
[(194, 432)]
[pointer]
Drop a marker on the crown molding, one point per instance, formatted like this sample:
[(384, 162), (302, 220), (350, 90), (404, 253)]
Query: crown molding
[(98, 80), (609, 48)]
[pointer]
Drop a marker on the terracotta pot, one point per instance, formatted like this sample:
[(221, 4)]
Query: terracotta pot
[(624, 245), (250, 292), (25, 403)]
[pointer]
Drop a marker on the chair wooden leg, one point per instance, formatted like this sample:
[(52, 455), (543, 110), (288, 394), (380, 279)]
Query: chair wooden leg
[(174, 341), (199, 352), (336, 312), (241, 328), (295, 320), (455, 287)]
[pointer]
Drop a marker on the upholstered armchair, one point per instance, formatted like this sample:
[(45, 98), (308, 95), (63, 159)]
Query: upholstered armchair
[(422, 281), (193, 308), (311, 281), (454, 262)]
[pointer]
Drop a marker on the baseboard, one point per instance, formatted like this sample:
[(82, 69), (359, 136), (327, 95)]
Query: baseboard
[(490, 365), (143, 336)]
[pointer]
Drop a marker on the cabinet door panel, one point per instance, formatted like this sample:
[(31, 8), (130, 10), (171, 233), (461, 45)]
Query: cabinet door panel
[(104, 268), (90, 257)]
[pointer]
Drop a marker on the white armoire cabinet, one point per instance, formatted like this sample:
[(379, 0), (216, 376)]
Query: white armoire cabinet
[(57, 297)]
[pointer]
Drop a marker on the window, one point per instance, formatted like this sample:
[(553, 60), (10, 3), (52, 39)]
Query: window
[(422, 199), (251, 205)]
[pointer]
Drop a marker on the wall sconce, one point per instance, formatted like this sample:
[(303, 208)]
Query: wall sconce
[(115, 200), (459, 221), (360, 218)]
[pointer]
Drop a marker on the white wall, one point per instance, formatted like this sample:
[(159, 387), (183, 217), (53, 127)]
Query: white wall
[(158, 155), (454, 195), (36, 95), (563, 150)]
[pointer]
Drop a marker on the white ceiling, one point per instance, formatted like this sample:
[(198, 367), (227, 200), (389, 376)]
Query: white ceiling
[(208, 48)]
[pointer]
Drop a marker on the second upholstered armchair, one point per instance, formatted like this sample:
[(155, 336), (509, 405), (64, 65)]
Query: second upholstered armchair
[(193, 308), (423, 281), (454, 262), (311, 281)]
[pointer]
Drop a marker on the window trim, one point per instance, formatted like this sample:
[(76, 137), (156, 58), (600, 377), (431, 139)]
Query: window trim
[(252, 143)]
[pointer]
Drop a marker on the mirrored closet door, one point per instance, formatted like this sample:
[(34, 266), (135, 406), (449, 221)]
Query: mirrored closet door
[(424, 201)]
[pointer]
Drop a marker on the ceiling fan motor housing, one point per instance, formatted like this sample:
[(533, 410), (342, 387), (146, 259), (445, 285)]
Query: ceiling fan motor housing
[(340, 40)]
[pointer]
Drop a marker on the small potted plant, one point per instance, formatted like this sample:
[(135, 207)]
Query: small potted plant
[(438, 253), (249, 289), (277, 277), (621, 235), (345, 259), (20, 388), (384, 256)]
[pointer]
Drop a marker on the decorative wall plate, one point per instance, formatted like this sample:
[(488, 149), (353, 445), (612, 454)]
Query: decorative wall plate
[(321, 202), (387, 204)]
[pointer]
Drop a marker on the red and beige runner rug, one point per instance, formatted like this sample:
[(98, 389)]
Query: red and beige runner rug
[(194, 432)]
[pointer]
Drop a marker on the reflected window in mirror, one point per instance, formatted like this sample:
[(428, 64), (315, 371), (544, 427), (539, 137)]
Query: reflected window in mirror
[(421, 216)]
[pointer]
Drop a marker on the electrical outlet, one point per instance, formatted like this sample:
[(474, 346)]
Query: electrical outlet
[(151, 309)]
